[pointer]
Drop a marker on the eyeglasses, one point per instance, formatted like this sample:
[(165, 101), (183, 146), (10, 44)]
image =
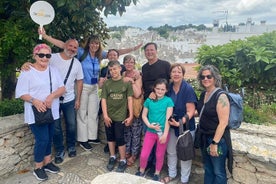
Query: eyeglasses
[(202, 77), (41, 55)]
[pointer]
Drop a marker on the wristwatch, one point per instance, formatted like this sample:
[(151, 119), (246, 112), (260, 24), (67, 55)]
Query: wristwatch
[(214, 142)]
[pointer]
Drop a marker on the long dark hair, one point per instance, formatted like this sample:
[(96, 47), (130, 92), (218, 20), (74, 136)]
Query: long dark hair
[(98, 54)]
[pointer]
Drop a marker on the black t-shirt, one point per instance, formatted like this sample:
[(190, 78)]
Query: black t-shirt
[(150, 73)]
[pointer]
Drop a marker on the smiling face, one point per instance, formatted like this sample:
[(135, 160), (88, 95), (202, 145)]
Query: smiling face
[(112, 55), (177, 74), (160, 90), (129, 64), (207, 79), (151, 53), (71, 48), (94, 46), (115, 71), (42, 57)]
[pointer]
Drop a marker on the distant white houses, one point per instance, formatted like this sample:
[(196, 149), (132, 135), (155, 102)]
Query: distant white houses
[(181, 46), (251, 27)]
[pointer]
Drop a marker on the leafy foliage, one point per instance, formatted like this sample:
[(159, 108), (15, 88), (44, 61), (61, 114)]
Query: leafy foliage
[(11, 107), (73, 19), (250, 62)]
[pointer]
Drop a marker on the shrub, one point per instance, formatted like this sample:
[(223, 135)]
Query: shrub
[(11, 107), (264, 115)]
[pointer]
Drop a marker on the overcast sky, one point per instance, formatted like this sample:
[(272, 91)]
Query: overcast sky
[(180, 12)]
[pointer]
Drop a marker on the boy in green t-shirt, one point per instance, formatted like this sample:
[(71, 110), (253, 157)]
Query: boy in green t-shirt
[(117, 113)]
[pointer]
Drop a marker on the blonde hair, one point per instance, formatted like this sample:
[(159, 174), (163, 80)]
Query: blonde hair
[(129, 57)]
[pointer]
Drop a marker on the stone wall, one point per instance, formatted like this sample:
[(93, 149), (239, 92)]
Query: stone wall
[(16, 145), (254, 151)]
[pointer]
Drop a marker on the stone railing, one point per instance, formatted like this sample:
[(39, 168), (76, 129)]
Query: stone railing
[(254, 151)]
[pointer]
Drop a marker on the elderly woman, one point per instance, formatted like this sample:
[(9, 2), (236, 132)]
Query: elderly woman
[(185, 100), (133, 132), (41, 87), (214, 112)]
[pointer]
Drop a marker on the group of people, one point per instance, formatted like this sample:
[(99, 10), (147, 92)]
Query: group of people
[(74, 76), (67, 82)]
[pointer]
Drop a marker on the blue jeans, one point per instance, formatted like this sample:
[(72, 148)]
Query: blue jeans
[(69, 114), (43, 135), (214, 167)]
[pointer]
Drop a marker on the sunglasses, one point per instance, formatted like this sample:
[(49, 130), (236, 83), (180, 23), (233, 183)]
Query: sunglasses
[(202, 77), (41, 55)]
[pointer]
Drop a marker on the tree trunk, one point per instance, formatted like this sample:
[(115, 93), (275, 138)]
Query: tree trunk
[(8, 79)]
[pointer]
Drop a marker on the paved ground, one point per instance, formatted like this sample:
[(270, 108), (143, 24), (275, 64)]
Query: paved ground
[(84, 168)]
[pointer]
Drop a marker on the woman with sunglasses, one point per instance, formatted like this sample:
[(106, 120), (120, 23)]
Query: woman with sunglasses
[(41, 87), (90, 57), (214, 112)]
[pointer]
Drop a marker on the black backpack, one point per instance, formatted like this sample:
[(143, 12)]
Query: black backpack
[(185, 143)]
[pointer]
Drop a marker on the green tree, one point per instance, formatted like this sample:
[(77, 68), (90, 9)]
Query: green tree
[(73, 18)]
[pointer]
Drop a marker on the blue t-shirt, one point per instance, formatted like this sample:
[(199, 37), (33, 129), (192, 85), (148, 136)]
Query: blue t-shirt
[(157, 111), (186, 94), (90, 67)]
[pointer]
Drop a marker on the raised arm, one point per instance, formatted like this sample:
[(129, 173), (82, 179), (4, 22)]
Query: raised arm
[(128, 50), (50, 39)]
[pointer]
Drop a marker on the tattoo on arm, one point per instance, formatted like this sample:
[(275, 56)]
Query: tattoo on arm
[(223, 100)]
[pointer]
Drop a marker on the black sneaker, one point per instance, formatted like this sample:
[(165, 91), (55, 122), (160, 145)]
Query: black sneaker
[(50, 167), (59, 157), (86, 146), (111, 163), (94, 141), (156, 177), (139, 173), (122, 166), (40, 174), (72, 152)]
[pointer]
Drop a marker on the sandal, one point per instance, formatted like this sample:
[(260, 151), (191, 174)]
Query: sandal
[(167, 179), (128, 155), (131, 160)]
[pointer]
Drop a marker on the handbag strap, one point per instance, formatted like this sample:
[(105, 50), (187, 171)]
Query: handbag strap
[(187, 124), (69, 70), (50, 80), (206, 102)]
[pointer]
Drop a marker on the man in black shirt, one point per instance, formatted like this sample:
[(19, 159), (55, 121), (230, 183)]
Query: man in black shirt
[(151, 71)]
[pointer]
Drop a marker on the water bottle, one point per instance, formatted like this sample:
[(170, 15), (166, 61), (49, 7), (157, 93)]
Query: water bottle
[(159, 133)]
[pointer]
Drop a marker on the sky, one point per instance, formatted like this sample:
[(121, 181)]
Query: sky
[(156, 13)]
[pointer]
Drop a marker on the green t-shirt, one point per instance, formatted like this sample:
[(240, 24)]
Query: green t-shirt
[(116, 94), (157, 111)]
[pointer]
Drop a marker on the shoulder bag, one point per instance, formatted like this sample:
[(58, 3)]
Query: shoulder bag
[(42, 118), (185, 143)]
